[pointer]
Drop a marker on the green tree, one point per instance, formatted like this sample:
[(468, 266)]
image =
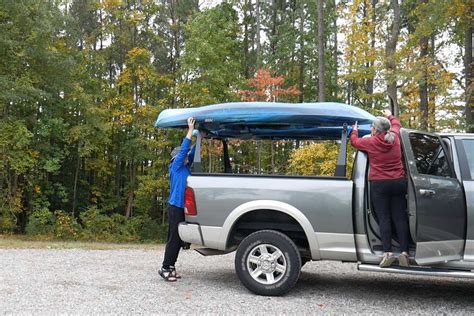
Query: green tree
[(34, 78), (212, 63)]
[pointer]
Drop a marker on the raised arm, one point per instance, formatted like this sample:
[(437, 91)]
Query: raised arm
[(359, 143), (178, 162), (396, 126)]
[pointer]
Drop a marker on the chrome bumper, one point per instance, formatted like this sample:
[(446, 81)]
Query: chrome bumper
[(190, 233)]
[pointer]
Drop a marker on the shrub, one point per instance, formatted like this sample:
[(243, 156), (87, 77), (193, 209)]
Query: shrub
[(125, 228), (96, 225), (41, 222), (7, 223), (66, 226), (153, 231)]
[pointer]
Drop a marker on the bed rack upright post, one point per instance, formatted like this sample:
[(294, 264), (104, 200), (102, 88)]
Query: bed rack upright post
[(342, 157)]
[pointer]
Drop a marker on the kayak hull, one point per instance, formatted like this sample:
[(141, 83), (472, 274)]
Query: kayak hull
[(265, 120)]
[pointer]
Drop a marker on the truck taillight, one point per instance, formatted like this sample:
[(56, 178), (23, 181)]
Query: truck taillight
[(189, 202)]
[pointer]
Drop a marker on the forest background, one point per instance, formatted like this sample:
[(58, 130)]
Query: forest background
[(82, 82)]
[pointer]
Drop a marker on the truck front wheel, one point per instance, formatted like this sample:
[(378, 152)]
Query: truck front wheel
[(268, 263)]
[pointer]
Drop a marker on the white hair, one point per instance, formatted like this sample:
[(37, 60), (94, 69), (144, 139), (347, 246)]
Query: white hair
[(382, 125)]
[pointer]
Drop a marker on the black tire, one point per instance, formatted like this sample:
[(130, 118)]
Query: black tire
[(289, 259)]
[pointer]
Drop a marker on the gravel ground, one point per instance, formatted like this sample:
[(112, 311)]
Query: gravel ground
[(126, 282)]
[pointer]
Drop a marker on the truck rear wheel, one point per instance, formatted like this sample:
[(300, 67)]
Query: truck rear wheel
[(268, 263)]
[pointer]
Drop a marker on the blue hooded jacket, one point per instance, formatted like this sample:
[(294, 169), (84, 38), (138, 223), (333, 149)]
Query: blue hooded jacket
[(179, 173)]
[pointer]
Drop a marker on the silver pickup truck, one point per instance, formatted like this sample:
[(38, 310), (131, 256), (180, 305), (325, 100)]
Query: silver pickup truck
[(278, 223)]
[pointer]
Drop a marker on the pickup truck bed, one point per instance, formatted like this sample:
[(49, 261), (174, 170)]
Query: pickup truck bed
[(319, 207)]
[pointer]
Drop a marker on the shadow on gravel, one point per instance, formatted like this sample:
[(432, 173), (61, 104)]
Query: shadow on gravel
[(415, 290), (220, 278)]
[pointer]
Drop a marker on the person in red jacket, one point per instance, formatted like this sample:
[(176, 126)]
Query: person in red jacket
[(388, 184)]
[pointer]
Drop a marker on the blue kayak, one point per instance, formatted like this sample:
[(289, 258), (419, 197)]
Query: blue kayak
[(266, 120)]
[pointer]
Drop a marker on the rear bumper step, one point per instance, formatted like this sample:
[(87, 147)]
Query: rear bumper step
[(418, 271)]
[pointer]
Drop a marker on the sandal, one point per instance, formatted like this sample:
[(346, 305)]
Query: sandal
[(173, 272), (169, 275)]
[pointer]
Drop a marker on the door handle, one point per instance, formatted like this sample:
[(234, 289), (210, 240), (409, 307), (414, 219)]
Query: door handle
[(425, 192)]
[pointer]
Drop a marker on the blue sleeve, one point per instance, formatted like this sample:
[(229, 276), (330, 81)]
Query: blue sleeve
[(191, 154), (178, 162)]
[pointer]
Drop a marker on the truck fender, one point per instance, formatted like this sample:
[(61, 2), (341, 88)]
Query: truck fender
[(276, 206)]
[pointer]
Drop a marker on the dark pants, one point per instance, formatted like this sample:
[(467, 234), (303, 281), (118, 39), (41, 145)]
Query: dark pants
[(390, 204), (173, 244)]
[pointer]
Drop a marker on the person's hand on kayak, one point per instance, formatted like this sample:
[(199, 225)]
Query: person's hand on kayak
[(191, 122), (355, 127)]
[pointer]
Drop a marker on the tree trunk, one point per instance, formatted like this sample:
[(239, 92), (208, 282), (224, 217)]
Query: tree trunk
[(76, 177), (321, 66), (129, 207), (163, 205), (257, 40), (468, 64), (335, 53), (118, 178), (349, 82), (210, 159), (370, 80), (246, 41), (301, 74), (390, 63), (273, 37), (294, 12), (432, 87), (101, 35), (423, 83), (259, 156), (272, 156), (174, 49)]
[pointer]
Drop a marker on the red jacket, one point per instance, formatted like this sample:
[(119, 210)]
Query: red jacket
[(385, 159)]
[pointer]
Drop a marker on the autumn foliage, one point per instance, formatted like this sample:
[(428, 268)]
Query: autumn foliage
[(266, 88)]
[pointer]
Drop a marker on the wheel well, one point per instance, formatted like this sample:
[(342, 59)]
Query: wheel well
[(269, 219)]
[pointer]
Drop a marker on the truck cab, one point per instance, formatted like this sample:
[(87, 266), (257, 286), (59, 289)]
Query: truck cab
[(439, 200)]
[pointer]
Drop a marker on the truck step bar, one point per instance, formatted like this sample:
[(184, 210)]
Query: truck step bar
[(213, 252), (417, 271)]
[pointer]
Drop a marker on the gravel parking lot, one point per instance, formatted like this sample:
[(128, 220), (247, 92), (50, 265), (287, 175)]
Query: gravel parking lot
[(126, 281)]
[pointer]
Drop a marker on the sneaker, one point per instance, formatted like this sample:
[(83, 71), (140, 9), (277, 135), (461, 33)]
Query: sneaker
[(169, 275), (387, 260), (403, 260), (173, 272)]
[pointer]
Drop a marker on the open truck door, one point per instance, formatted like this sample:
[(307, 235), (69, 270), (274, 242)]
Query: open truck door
[(436, 199)]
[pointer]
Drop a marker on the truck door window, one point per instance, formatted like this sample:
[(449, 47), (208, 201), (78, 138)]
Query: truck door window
[(468, 145), (429, 155)]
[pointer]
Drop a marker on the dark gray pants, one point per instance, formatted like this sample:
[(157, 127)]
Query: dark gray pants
[(174, 242), (390, 204)]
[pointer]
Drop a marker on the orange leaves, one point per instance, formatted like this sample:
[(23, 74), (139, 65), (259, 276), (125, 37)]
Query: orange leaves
[(267, 88), (263, 79)]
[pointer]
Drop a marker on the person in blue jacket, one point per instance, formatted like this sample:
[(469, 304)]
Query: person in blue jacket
[(181, 160)]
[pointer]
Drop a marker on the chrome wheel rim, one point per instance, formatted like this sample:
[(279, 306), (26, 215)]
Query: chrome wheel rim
[(266, 264)]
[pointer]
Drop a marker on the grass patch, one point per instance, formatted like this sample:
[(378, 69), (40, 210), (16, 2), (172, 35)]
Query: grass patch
[(23, 242)]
